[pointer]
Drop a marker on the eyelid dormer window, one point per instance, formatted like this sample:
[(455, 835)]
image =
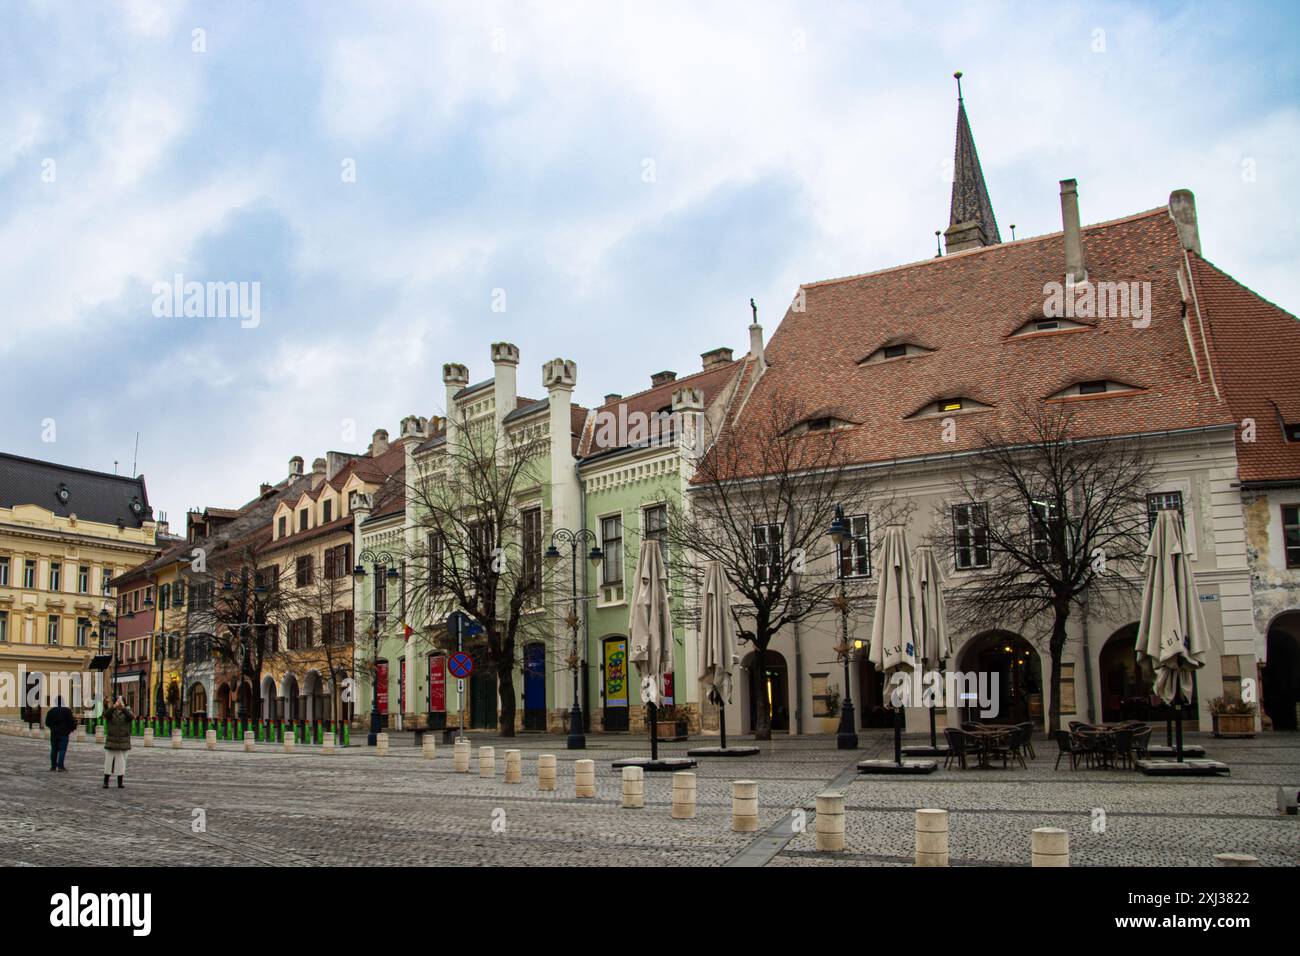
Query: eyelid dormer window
[(1095, 387), (893, 351), (1040, 324), (950, 405)]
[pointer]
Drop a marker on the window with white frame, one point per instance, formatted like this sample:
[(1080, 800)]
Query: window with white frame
[(83, 631), (56, 575), (4, 627), (970, 535), (29, 574), (107, 575), (83, 579), (52, 630), (1164, 501), (1044, 522), (531, 521), (1291, 534), (4, 572), (437, 555), (611, 546), (654, 525), (855, 552), (768, 557)]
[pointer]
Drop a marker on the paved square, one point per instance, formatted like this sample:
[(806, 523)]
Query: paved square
[(355, 807)]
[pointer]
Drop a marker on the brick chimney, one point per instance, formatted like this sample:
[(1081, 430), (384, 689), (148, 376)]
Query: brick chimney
[(295, 466), (662, 378), (716, 357), (1075, 268), (612, 397)]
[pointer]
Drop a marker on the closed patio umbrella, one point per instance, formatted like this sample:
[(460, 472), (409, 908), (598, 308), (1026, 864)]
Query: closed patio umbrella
[(1171, 628), (934, 645), (650, 629), (717, 648), (894, 627)]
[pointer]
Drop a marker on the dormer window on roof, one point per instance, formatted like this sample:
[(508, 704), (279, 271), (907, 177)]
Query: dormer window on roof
[(819, 423), (1094, 387), (895, 350), (950, 405), (1048, 324)]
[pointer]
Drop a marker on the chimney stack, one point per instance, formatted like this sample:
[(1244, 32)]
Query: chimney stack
[(662, 378), (756, 345), (612, 397), (295, 466), (1182, 208), (318, 467), (454, 377), (1075, 269), (716, 357), (505, 359), (378, 442)]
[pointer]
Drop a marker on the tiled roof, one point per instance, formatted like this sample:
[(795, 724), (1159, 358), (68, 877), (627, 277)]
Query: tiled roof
[(711, 381), (964, 306), (92, 495), (1257, 346)]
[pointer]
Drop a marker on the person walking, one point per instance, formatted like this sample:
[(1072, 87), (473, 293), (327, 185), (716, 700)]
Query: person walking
[(117, 741), (61, 724)]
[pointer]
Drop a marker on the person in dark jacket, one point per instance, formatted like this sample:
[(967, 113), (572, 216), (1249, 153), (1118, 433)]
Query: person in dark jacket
[(117, 741), (61, 724)]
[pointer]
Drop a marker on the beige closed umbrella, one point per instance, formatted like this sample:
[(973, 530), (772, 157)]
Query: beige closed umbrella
[(650, 630), (894, 627), (933, 644), (1171, 628)]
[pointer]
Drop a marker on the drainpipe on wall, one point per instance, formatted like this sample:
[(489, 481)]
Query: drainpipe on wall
[(797, 727), (1087, 661)]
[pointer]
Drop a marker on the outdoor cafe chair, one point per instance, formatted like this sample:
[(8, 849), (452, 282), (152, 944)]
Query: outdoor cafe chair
[(1028, 740), (959, 743), (998, 745), (1141, 739), (1122, 747), (1071, 745)]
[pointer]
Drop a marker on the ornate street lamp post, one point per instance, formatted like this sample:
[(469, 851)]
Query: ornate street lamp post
[(842, 535), (378, 562), (577, 738)]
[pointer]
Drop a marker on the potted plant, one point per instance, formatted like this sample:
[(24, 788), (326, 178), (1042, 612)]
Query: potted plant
[(1232, 717), (829, 717), (671, 723)]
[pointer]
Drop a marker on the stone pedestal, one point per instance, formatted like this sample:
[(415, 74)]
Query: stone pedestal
[(1049, 846), (250, 741), (829, 824), (327, 743), (429, 747), (460, 756), (514, 766), (683, 795), (546, 772), (931, 837), (148, 736), (289, 741), (177, 740), (744, 806), (381, 745), (633, 788), (584, 778), (487, 762), (210, 740)]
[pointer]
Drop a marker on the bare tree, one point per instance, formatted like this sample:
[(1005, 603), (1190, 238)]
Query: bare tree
[(763, 499), (477, 542), (325, 600), (1056, 520)]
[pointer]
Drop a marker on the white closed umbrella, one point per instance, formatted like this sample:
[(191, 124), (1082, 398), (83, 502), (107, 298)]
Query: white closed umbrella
[(650, 629), (1171, 627), (934, 645), (894, 627), (717, 647)]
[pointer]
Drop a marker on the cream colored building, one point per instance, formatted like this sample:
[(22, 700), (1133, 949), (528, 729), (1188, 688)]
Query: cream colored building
[(64, 533)]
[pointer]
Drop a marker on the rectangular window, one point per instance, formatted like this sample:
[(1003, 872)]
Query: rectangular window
[(178, 594), (895, 351), (532, 535), (106, 576), (52, 630), (165, 597), (1164, 501), (611, 544), (135, 600), (1044, 522), (4, 572), (83, 579), (56, 571), (970, 536), (29, 574), (768, 558), (302, 519), (654, 525), (381, 590), (855, 553), (4, 627), (1291, 534), (1092, 388), (83, 631), (282, 527), (304, 570), (327, 511), (437, 552)]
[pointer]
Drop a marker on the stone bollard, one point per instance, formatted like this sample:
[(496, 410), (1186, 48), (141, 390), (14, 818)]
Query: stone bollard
[(381, 745), (327, 742), (428, 748), (460, 756), (176, 740), (514, 767), (830, 821), (289, 741), (744, 806), (546, 772), (79, 735), (250, 742), (633, 788), (1235, 859), (210, 738), (99, 734), (148, 736), (1049, 846), (584, 778), (931, 837), (683, 795), (487, 762)]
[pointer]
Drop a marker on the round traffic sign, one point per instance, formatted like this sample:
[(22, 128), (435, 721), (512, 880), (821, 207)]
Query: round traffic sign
[(460, 664)]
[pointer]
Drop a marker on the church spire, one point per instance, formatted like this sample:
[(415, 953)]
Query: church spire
[(970, 223)]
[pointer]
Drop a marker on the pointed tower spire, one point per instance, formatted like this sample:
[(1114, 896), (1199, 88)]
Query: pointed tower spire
[(971, 222)]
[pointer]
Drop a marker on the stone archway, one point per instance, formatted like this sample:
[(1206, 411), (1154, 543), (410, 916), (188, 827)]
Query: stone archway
[(270, 710), (1281, 685), (776, 686), (1127, 682), (290, 706), (1018, 670)]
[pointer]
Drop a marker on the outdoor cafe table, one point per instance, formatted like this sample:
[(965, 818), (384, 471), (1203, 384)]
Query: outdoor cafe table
[(985, 735)]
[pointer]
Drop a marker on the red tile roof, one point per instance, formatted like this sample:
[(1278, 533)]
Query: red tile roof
[(1257, 346), (964, 306)]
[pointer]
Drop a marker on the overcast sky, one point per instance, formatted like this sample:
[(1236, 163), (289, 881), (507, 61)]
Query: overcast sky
[(628, 174)]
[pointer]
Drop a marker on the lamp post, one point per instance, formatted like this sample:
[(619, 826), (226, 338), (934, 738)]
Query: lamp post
[(107, 628), (841, 534), (378, 562), (577, 738)]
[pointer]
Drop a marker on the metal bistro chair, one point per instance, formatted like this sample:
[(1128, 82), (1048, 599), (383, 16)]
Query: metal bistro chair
[(959, 744), (1141, 739), (999, 745), (1069, 744), (1028, 740), (1122, 741)]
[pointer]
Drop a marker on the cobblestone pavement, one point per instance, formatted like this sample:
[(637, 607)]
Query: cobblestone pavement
[(355, 807)]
